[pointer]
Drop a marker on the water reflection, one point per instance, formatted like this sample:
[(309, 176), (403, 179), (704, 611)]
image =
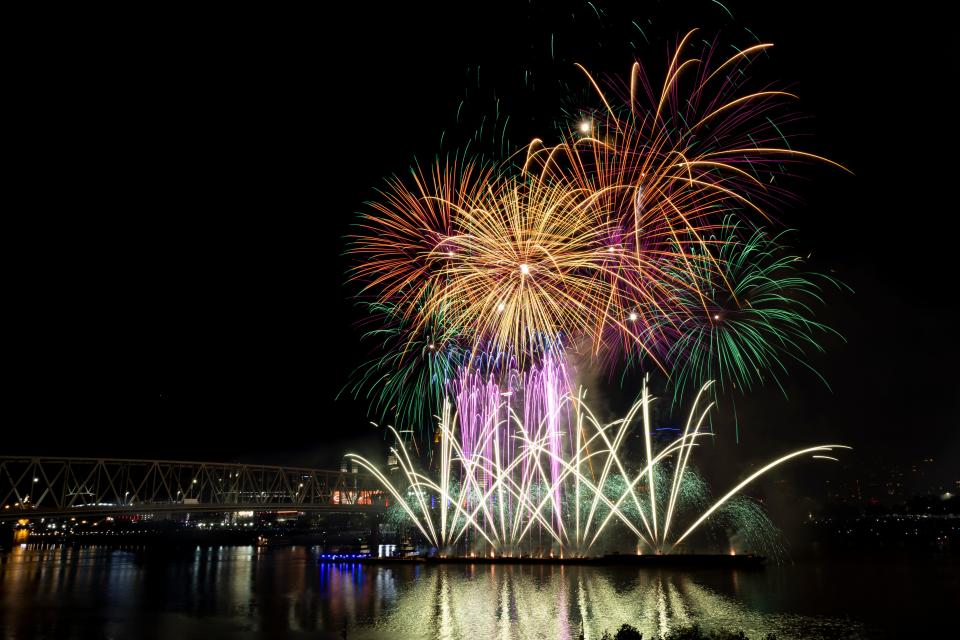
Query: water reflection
[(216, 592), (516, 603)]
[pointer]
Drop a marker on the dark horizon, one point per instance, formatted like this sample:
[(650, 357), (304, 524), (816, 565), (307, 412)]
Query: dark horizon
[(195, 303)]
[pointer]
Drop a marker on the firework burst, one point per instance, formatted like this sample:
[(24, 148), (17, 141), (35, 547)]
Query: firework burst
[(415, 361), (610, 241), (622, 241), (635, 239), (754, 317)]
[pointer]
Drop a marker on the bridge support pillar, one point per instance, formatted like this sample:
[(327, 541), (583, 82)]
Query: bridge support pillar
[(6, 536)]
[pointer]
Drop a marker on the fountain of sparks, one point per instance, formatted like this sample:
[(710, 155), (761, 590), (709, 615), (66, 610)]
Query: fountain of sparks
[(526, 468)]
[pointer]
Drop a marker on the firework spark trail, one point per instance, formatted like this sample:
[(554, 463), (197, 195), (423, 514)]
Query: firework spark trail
[(479, 403), (536, 476), (719, 503), (684, 457)]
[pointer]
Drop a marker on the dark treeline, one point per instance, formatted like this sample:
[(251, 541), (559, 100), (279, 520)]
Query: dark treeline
[(627, 632)]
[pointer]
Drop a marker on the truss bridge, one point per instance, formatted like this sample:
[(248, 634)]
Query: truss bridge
[(37, 486)]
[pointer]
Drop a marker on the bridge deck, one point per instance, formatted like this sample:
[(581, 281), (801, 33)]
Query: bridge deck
[(55, 486)]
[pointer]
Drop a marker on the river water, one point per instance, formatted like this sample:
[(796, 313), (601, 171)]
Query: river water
[(234, 592)]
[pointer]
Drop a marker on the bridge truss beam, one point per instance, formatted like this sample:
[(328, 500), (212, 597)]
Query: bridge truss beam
[(37, 486)]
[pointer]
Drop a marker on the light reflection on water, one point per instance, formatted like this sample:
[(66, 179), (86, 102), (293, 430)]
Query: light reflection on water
[(66, 592), (518, 603)]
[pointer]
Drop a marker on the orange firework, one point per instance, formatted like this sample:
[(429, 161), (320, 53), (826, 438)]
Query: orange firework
[(607, 238), (401, 246)]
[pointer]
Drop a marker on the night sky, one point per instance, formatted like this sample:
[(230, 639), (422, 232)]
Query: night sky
[(185, 296)]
